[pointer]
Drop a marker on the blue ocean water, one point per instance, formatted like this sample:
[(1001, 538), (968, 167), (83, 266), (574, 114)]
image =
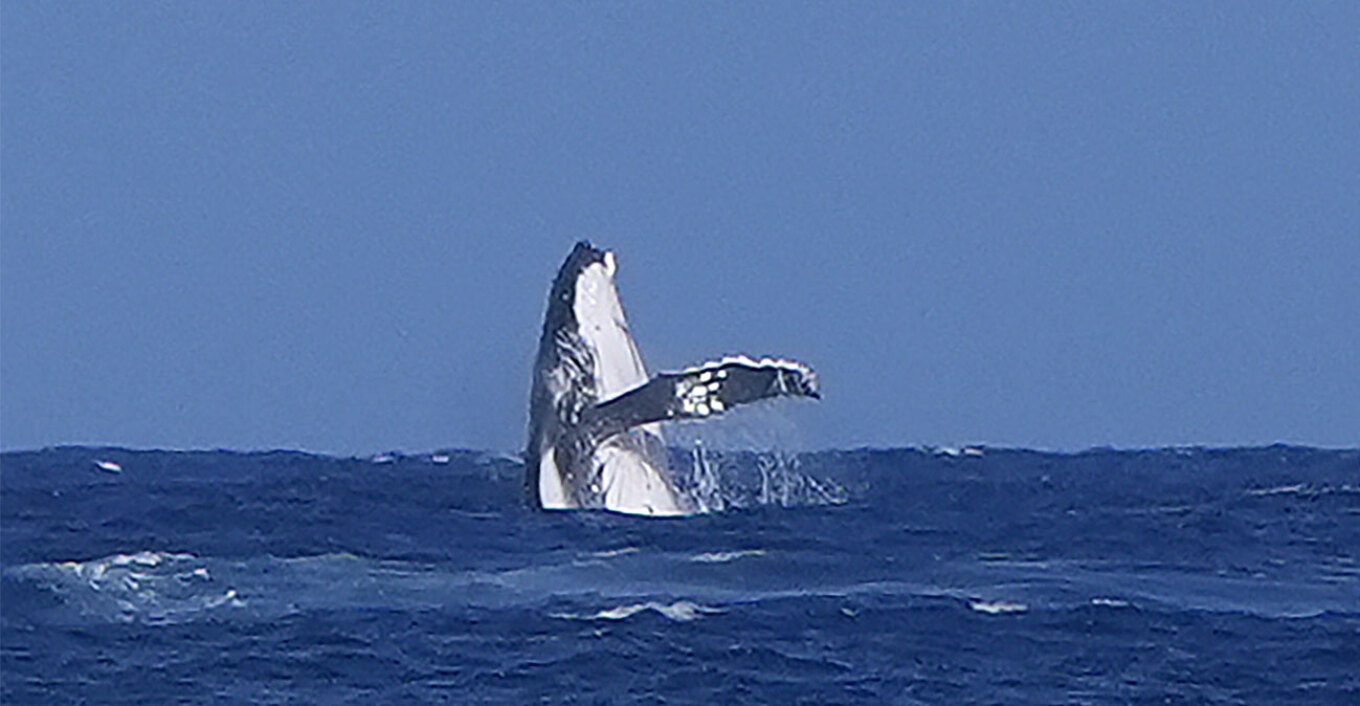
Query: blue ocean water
[(905, 576)]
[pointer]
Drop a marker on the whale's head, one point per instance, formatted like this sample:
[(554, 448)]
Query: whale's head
[(585, 264), (590, 323)]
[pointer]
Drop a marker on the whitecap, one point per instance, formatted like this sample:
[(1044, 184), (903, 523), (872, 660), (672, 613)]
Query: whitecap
[(610, 553), (1296, 489), (679, 611), (998, 607), (724, 557), (147, 585)]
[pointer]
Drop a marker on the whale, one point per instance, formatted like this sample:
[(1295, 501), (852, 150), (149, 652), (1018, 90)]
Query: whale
[(595, 439)]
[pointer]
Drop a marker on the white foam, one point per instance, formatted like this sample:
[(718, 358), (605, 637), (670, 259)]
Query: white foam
[(109, 466), (679, 611), (1306, 490), (610, 553), (998, 607), (724, 557), (152, 586), (1298, 489), (956, 451)]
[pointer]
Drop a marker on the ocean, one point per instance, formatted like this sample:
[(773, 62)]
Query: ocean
[(895, 576)]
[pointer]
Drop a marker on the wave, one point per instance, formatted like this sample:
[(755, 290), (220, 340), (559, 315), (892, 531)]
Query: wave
[(147, 585), (166, 587), (1265, 532), (724, 557), (998, 607), (679, 611)]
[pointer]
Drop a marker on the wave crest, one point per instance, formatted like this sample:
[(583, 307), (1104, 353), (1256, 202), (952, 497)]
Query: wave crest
[(143, 586)]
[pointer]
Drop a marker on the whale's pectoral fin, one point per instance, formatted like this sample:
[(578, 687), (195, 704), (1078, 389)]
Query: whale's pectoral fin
[(702, 391), (716, 387)]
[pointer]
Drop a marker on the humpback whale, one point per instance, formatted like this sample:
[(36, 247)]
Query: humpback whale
[(594, 412)]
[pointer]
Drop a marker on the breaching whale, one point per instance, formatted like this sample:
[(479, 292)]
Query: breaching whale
[(594, 412)]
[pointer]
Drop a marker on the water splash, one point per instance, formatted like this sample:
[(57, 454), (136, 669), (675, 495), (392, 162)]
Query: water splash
[(721, 480), (747, 458)]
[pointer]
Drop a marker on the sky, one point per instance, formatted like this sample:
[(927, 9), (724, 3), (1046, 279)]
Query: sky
[(332, 226)]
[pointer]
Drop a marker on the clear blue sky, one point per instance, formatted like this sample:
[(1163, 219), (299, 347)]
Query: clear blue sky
[(332, 226)]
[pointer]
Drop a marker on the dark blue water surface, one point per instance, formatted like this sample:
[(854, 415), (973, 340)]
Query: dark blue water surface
[(896, 576)]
